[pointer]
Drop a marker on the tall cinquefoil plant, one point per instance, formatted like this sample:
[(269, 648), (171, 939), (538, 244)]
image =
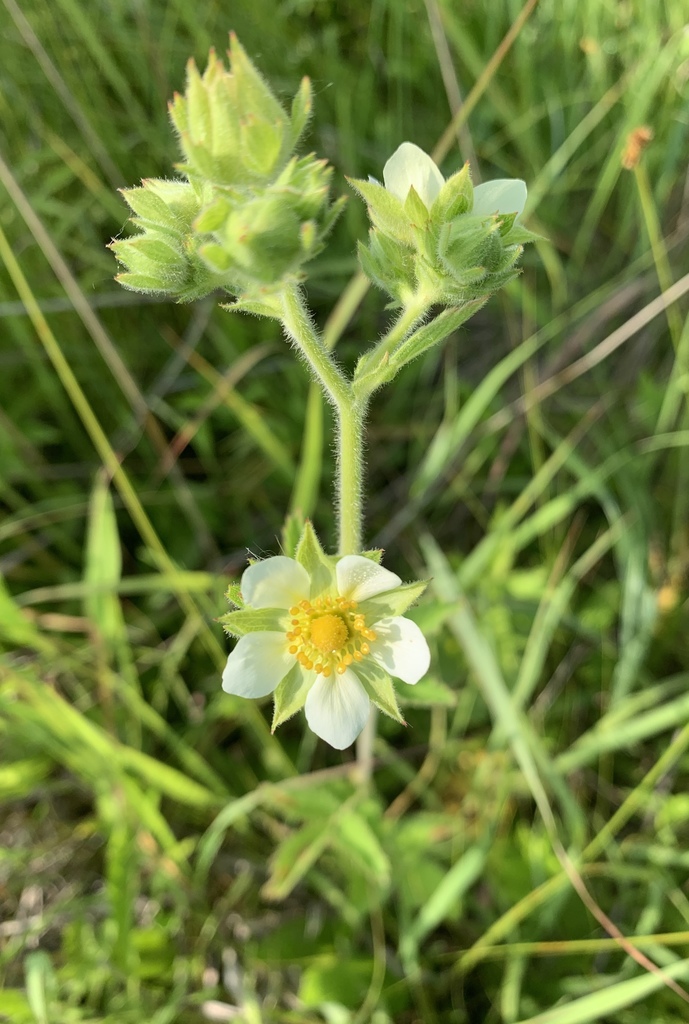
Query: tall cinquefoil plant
[(245, 216)]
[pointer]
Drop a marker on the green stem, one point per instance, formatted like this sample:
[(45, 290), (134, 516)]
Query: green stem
[(414, 310), (299, 326), (351, 417), (351, 414)]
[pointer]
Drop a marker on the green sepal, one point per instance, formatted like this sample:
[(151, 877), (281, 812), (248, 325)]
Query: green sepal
[(214, 216), (392, 602), (234, 595), (151, 257), (290, 694), (198, 110), (506, 222), (416, 209), (308, 236), (519, 235), (332, 215), (260, 143), (388, 263), (180, 198), (455, 198), (255, 620), (215, 257), (141, 283), (379, 687), (301, 110), (292, 529), (252, 90), (147, 205), (386, 211), (376, 272), (313, 558), (374, 554)]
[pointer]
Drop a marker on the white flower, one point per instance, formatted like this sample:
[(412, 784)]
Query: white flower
[(330, 640), (409, 166)]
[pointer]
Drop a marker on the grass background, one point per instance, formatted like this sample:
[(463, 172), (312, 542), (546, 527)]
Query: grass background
[(521, 855)]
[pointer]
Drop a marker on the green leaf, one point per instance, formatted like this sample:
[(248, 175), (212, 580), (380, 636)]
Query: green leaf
[(296, 855), (311, 555), (333, 981), (290, 695), (392, 602), (358, 843), (601, 1005), (103, 565), (443, 902), (379, 687), (255, 620), (428, 335)]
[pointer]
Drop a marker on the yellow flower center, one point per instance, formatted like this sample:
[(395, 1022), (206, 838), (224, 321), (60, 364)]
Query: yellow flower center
[(328, 635)]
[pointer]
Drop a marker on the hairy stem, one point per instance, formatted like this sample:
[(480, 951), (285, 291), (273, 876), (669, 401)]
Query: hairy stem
[(350, 416), (350, 413), (299, 327)]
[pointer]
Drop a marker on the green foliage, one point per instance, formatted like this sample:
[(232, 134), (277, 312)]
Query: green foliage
[(162, 855)]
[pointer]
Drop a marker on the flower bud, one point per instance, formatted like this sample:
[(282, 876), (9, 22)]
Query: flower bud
[(232, 130), (249, 214)]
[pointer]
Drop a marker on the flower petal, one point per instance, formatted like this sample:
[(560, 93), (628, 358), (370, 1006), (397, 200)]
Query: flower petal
[(401, 649), (359, 578), (505, 195), (277, 582), (409, 166), (337, 709), (257, 664)]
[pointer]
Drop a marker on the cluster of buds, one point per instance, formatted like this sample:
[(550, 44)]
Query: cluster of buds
[(248, 214), (444, 239)]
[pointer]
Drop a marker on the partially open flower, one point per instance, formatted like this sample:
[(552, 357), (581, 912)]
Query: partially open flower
[(443, 239), (328, 639), (410, 166)]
